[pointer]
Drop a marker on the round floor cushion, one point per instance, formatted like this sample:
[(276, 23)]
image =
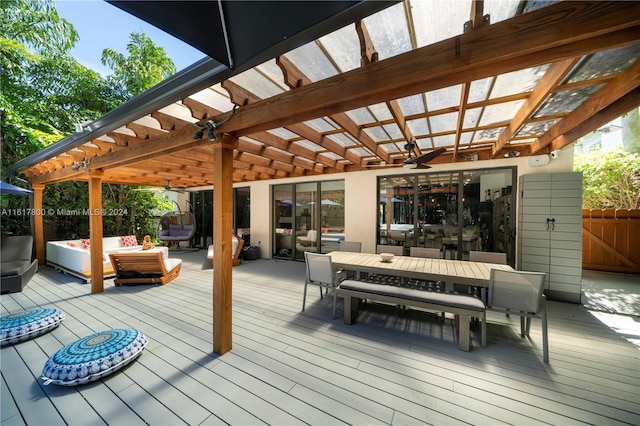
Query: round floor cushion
[(25, 325), (94, 357)]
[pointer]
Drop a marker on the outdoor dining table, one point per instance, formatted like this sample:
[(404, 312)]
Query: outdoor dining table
[(476, 274)]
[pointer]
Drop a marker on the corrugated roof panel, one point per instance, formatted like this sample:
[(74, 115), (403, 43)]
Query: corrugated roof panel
[(389, 32), (344, 48), (439, 20), (609, 62), (444, 122), (518, 81), (444, 98), (312, 62), (566, 101), (500, 113)]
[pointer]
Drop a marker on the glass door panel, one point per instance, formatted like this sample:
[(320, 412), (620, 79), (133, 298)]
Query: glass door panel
[(306, 218), (331, 215), (283, 241)]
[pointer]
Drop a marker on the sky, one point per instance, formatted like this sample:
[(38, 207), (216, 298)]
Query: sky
[(101, 25)]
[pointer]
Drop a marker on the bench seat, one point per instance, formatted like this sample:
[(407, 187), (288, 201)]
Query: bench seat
[(464, 307)]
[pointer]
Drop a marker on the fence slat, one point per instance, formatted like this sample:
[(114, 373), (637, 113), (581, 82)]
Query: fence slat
[(611, 240)]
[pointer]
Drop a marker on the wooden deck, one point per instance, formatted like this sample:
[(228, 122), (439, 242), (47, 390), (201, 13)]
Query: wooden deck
[(289, 367)]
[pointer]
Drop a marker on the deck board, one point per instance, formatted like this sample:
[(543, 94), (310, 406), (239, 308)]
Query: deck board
[(293, 367)]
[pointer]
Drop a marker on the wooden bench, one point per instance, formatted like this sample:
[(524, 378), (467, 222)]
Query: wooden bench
[(462, 306), (142, 267)]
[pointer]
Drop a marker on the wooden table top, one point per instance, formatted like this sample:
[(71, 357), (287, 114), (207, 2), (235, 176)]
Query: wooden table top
[(446, 270)]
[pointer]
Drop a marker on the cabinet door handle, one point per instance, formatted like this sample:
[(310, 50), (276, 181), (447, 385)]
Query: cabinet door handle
[(553, 223), (548, 220)]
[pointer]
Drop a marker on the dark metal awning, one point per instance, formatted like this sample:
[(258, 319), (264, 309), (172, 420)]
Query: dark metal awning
[(237, 33)]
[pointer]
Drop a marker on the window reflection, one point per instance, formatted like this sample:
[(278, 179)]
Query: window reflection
[(457, 212)]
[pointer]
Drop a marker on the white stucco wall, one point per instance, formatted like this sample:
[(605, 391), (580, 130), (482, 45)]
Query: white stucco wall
[(361, 200)]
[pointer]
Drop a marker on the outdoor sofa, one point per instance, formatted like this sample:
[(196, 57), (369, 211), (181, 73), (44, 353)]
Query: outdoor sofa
[(74, 256), (18, 265)]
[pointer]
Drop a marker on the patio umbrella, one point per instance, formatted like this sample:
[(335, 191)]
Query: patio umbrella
[(7, 188), (247, 33), (393, 200)]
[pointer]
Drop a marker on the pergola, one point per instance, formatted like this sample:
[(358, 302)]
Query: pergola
[(482, 79)]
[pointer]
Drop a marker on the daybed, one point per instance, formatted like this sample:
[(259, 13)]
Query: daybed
[(329, 241), (236, 249), (74, 257), (144, 267), (18, 266)]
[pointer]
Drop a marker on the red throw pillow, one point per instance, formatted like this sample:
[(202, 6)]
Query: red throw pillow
[(74, 245), (129, 241), (86, 244)]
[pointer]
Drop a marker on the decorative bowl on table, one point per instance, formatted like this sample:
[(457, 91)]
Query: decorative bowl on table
[(386, 257)]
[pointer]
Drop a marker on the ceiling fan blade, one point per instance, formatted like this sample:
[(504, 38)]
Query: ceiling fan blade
[(429, 155)]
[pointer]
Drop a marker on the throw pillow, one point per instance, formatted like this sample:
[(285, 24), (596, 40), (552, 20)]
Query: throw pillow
[(129, 241), (74, 245), (86, 244)]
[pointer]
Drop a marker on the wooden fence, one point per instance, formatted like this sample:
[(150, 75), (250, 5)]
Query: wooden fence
[(611, 240)]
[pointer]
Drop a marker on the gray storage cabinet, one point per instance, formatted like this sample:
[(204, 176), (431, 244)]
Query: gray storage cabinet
[(549, 234)]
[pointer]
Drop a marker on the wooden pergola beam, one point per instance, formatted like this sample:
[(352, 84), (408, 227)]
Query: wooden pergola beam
[(550, 34)]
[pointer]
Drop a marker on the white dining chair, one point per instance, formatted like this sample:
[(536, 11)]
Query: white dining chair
[(520, 293), (320, 272)]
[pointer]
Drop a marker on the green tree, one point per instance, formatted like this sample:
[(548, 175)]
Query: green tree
[(146, 65), (45, 92), (610, 179)]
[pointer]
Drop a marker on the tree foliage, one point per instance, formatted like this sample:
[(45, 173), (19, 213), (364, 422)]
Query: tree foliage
[(610, 179), (146, 65), (45, 91)]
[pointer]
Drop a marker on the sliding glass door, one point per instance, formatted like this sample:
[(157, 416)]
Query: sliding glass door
[(457, 212)]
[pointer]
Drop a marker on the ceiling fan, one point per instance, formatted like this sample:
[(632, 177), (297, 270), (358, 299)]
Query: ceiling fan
[(417, 162), (168, 187)]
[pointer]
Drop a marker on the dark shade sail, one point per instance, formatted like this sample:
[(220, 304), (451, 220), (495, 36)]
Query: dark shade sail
[(237, 33)]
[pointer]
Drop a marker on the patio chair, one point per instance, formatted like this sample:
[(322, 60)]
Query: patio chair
[(320, 272), (396, 250), (431, 253), (351, 246), (150, 267), (520, 293), (488, 257)]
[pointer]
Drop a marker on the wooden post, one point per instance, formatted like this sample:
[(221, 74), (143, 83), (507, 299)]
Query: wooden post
[(95, 231), (222, 244), (38, 222)]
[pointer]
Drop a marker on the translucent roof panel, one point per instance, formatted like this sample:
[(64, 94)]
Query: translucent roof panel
[(499, 113), (217, 98), (393, 131), (532, 5), (499, 10), (342, 139), (536, 128), (488, 134), (312, 62), (563, 102), (381, 112), (412, 105), (444, 122), (444, 98), (361, 152), (518, 81), (480, 89), (361, 116), (320, 125), (309, 145), (272, 72), (257, 84), (438, 20), (607, 63), (377, 133), (471, 118), (388, 31), (284, 133), (344, 47), (419, 127), (446, 140), (390, 147)]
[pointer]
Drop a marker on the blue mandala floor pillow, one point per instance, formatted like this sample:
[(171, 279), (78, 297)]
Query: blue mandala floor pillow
[(94, 357), (25, 325)]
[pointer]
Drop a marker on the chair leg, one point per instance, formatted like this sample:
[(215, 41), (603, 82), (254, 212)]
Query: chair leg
[(304, 295), (335, 296), (545, 337), (320, 292), (483, 328)]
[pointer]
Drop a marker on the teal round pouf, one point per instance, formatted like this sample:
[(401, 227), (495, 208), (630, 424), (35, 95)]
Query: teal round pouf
[(25, 325), (94, 357)]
